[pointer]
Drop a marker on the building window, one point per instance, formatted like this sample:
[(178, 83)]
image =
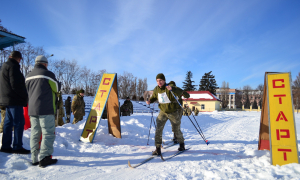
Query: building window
[(202, 106)]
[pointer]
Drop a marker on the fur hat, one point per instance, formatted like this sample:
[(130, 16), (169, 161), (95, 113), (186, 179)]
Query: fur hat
[(161, 76)]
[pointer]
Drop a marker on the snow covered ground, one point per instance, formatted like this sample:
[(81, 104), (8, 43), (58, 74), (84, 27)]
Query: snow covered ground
[(232, 153)]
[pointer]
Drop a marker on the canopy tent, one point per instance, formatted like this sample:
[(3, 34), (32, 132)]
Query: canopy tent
[(9, 39)]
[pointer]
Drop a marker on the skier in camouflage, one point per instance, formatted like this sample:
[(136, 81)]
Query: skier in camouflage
[(170, 109)]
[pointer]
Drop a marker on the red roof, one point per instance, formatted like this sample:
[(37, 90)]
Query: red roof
[(201, 96)]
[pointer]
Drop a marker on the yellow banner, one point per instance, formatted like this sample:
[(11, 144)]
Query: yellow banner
[(95, 114), (284, 147)]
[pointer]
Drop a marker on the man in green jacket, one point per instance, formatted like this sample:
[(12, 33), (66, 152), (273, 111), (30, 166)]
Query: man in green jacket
[(169, 109)]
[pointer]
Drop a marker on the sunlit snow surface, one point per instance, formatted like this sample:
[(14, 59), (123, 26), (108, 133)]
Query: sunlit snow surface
[(231, 154)]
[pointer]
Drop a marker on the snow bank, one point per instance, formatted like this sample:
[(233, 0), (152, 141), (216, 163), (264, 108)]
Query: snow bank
[(232, 153)]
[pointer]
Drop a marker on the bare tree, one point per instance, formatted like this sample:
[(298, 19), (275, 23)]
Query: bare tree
[(296, 91), (29, 53), (246, 95), (145, 85), (71, 75), (139, 88), (85, 74), (225, 94), (133, 88), (260, 89), (125, 84)]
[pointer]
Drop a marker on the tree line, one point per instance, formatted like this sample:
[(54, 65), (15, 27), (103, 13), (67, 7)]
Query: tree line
[(246, 96), (207, 83), (74, 77)]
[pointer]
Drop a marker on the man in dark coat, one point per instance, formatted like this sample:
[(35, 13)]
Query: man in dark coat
[(129, 104), (125, 109), (68, 108), (13, 95)]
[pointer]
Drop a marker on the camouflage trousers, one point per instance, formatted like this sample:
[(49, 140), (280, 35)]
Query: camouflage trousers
[(175, 119), (59, 119), (2, 120), (77, 119), (180, 111)]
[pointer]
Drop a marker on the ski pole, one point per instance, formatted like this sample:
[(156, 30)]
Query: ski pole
[(197, 123), (149, 132), (152, 115), (150, 126), (206, 141)]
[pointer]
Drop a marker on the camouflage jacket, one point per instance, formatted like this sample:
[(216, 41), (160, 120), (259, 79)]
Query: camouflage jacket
[(181, 93), (196, 111), (60, 105), (187, 111), (167, 102), (78, 106)]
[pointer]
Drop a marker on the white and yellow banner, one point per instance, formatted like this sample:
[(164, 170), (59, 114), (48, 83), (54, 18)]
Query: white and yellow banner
[(95, 114), (284, 146)]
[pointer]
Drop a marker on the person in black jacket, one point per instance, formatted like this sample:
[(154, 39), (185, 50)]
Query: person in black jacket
[(13, 95), (68, 108)]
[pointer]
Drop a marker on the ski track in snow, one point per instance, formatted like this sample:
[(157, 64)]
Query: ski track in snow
[(231, 154)]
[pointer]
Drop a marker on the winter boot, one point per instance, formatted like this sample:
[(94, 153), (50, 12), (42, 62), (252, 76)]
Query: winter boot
[(21, 151), (181, 147), (47, 161), (157, 151)]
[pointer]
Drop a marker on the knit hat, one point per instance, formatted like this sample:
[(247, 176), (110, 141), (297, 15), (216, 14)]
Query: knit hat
[(15, 54), (172, 82), (81, 91), (41, 59), (127, 97), (161, 76)]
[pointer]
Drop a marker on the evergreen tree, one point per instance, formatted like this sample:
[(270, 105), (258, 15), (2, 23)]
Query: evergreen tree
[(247, 103), (254, 106), (188, 83), (260, 103), (208, 83)]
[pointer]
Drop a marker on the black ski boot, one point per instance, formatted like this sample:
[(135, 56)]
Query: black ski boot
[(157, 151), (181, 147), (47, 161)]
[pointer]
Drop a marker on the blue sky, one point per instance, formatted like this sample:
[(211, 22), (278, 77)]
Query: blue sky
[(237, 40)]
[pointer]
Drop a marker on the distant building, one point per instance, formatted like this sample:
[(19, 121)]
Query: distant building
[(202, 100), (237, 98), (147, 95), (233, 96)]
